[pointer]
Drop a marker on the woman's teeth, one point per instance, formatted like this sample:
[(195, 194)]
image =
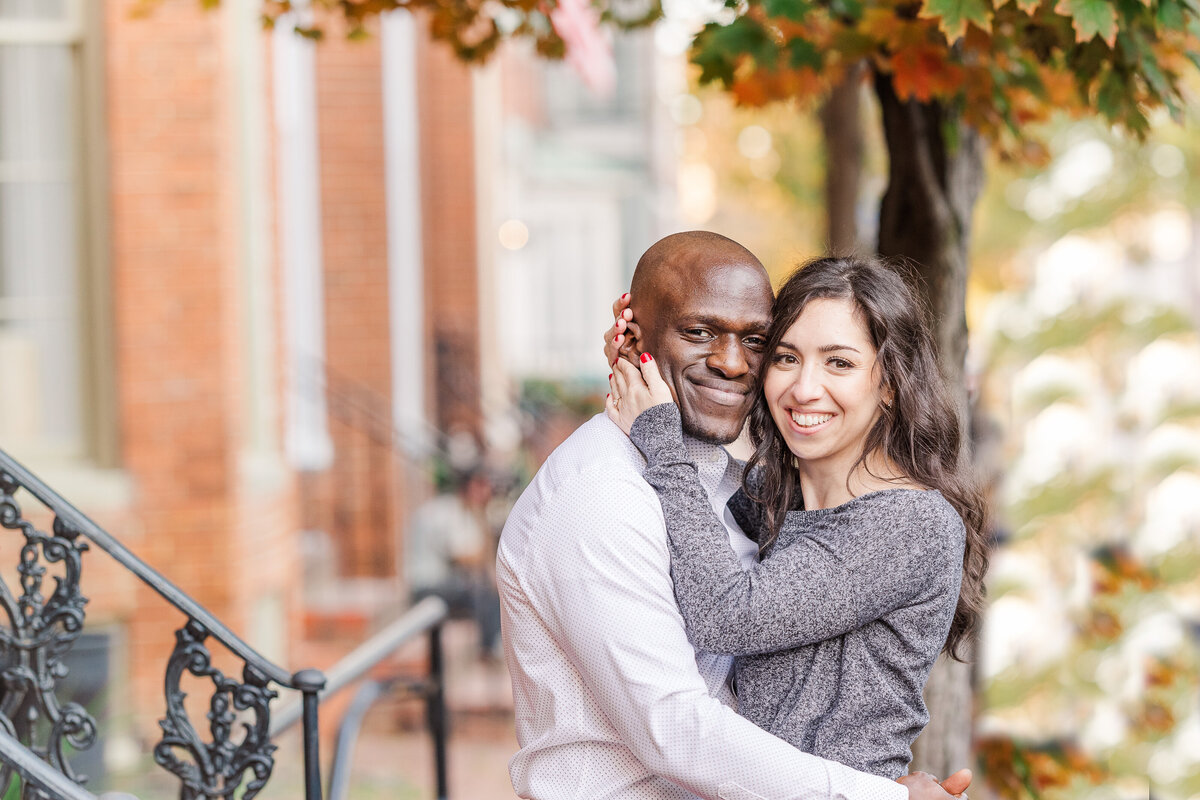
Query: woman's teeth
[(810, 420)]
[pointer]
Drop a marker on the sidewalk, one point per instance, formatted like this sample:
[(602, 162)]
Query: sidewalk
[(394, 756)]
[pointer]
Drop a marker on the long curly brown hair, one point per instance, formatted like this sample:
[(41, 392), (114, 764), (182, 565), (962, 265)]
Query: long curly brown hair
[(919, 431)]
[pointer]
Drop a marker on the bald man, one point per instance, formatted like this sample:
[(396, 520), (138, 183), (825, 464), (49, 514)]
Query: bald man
[(611, 700)]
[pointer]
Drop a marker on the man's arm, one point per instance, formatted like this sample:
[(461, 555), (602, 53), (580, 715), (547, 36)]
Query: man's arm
[(600, 576)]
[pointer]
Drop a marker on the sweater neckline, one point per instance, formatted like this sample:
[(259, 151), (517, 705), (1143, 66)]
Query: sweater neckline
[(874, 494)]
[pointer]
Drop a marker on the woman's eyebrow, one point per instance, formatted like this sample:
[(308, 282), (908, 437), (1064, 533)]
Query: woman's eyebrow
[(829, 348)]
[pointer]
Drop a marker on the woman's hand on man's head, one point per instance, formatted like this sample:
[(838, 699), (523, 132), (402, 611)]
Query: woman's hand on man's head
[(632, 390), (614, 337)]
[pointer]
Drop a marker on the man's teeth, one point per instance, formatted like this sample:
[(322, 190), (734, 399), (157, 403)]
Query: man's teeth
[(810, 420)]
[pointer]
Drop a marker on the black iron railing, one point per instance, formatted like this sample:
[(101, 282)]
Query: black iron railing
[(40, 631), (426, 615)]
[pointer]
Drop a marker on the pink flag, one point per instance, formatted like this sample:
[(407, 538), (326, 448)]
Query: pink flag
[(588, 49)]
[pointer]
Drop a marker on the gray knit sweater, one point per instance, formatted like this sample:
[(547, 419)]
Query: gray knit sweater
[(836, 628)]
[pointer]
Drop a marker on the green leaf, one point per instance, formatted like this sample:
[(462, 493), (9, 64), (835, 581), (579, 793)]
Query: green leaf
[(1111, 99), (1170, 15), (955, 14), (847, 9), (1029, 6), (709, 53), (1144, 60), (795, 10), (744, 36), (803, 53), (1091, 18)]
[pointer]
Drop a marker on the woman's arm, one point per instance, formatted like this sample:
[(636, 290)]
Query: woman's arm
[(813, 589), (810, 590)]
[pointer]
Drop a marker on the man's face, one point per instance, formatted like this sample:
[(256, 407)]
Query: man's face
[(707, 335)]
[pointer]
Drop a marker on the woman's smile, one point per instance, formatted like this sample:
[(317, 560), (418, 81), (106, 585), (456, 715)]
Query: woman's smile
[(822, 386)]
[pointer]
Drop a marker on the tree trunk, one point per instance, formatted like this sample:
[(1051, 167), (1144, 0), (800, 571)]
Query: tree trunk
[(935, 175), (841, 124)]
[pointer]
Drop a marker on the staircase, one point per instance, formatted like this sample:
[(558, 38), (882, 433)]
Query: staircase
[(231, 753)]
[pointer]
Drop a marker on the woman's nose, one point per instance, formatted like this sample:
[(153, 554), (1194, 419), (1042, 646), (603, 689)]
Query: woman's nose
[(807, 385)]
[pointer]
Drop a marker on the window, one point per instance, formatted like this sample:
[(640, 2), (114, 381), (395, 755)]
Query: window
[(43, 289)]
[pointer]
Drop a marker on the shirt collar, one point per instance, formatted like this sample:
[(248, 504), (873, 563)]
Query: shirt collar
[(717, 471)]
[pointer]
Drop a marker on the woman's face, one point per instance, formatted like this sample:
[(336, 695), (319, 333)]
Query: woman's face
[(822, 384)]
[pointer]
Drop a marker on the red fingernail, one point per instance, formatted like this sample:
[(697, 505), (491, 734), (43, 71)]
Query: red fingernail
[(647, 357), (625, 296), (608, 395), (610, 376), (618, 336)]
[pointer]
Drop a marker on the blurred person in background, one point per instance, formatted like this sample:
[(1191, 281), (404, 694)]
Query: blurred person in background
[(450, 549)]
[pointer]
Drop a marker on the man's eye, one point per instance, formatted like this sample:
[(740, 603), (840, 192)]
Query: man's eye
[(698, 333), (755, 342)]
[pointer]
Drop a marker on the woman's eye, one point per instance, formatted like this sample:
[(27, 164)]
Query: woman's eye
[(840, 363), (783, 358)]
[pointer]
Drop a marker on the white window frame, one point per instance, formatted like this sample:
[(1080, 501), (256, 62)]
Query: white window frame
[(79, 30)]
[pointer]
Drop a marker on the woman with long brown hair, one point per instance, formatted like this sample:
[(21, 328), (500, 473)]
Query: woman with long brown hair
[(872, 548)]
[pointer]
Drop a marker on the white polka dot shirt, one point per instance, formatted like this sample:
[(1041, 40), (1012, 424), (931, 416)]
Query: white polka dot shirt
[(611, 700)]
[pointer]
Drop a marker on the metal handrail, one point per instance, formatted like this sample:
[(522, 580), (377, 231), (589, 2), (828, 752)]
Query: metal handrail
[(364, 700), (65, 608), (33, 769), (150, 576), (422, 617), (426, 616)]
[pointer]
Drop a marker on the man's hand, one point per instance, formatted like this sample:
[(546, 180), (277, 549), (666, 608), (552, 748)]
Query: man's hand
[(614, 337), (923, 786)]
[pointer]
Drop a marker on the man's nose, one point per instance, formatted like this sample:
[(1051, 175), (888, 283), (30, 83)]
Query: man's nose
[(729, 357)]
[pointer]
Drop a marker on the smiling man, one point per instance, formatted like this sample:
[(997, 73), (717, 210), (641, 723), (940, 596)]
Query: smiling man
[(611, 700)]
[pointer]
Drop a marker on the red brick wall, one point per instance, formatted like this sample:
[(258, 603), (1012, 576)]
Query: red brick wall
[(449, 244), (178, 330), (359, 495)]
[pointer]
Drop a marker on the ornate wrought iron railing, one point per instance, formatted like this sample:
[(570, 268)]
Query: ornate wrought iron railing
[(36, 632)]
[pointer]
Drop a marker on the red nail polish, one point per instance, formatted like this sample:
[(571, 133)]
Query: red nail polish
[(625, 296), (607, 396), (647, 357), (618, 336), (610, 376)]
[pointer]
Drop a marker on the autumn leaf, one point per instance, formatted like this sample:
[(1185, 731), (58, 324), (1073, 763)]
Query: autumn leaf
[(795, 10), (1091, 18), (923, 72), (802, 53), (955, 14)]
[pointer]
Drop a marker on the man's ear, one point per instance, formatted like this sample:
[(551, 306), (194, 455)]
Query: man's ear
[(631, 348)]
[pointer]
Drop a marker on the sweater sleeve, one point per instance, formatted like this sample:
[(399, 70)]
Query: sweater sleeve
[(892, 554)]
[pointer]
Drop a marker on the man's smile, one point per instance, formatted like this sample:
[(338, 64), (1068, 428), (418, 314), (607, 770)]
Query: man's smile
[(722, 392)]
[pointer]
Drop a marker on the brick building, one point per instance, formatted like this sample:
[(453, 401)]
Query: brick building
[(221, 253)]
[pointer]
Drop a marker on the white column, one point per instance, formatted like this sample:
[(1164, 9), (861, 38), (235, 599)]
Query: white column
[(260, 369), (406, 290), (307, 438)]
